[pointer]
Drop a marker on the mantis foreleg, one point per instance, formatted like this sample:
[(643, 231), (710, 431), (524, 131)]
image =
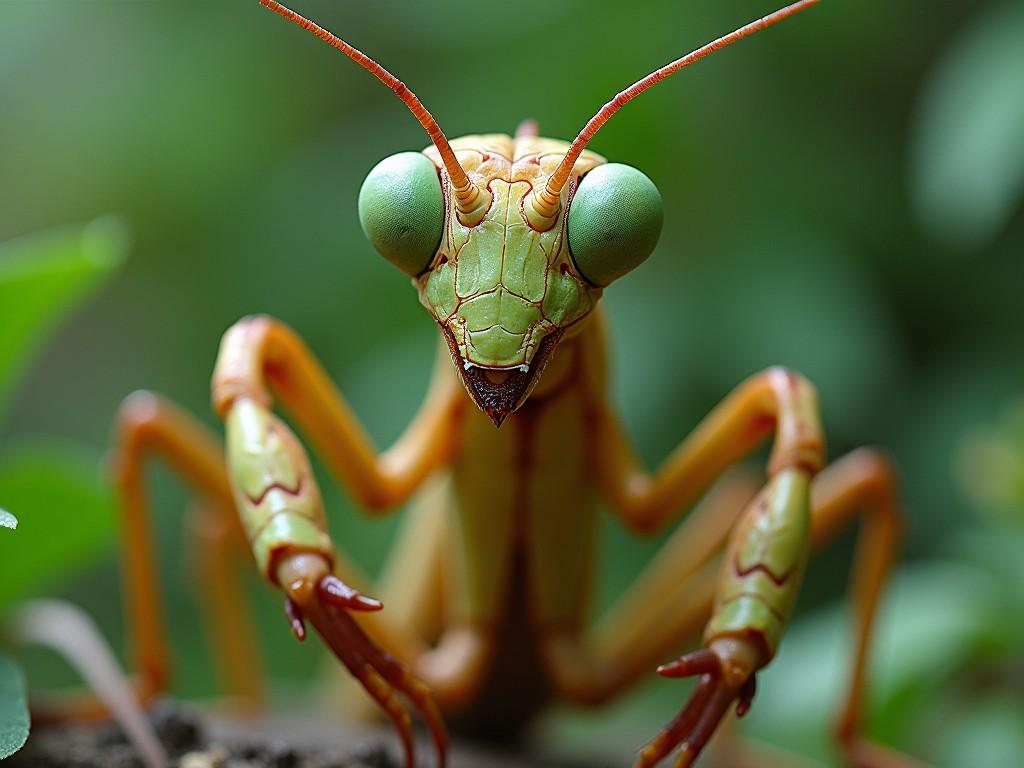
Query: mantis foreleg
[(770, 544), (667, 607), (760, 572), (279, 503), (260, 355)]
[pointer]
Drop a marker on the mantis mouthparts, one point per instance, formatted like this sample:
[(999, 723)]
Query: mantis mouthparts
[(467, 365)]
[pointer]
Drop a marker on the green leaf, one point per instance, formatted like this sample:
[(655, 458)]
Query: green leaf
[(42, 278), (969, 158), (7, 520), (66, 516), (13, 708)]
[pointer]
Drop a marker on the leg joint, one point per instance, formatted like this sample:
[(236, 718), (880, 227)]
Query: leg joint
[(240, 360), (800, 438), (880, 480)]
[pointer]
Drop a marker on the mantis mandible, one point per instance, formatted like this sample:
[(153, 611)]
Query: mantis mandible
[(510, 242)]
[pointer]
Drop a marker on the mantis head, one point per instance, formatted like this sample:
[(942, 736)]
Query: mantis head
[(510, 242), (503, 291)]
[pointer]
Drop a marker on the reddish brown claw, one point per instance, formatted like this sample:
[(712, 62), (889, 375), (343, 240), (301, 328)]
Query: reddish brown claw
[(394, 674), (718, 704), (746, 696), (295, 618), (702, 662), (337, 592), (325, 600), (384, 677), (695, 724)]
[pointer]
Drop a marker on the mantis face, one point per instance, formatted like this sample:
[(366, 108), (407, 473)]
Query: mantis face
[(511, 240), (504, 287)]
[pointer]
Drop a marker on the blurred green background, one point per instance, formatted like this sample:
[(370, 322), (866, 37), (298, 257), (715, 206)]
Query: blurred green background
[(842, 196)]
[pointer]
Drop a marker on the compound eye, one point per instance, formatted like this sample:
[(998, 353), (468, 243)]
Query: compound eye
[(614, 222), (401, 210)]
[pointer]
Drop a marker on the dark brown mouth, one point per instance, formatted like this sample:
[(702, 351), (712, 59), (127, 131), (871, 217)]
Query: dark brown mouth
[(499, 392)]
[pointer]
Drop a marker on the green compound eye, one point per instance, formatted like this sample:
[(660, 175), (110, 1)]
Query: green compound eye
[(401, 210), (614, 222)]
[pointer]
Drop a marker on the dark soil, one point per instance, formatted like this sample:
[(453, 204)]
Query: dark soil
[(194, 739), (190, 742)]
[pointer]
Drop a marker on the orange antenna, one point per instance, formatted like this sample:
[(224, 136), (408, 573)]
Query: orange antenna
[(467, 194), (545, 202)]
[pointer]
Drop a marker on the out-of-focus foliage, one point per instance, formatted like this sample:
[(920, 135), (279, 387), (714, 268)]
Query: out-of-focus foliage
[(13, 708), (56, 489), (992, 464), (14, 722), (807, 175), (42, 279), (44, 482), (969, 157)]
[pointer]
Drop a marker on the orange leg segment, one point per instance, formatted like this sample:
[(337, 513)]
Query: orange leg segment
[(863, 484), (150, 426)]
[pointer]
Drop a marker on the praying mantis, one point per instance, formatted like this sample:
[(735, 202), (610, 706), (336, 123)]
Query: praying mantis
[(510, 242)]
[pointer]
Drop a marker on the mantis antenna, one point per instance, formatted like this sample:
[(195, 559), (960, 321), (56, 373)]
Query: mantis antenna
[(468, 196), (545, 202)]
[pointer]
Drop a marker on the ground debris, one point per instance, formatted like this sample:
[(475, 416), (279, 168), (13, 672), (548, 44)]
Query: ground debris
[(183, 735), (197, 738)]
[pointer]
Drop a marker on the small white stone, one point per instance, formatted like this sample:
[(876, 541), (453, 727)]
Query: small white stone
[(211, 758)]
